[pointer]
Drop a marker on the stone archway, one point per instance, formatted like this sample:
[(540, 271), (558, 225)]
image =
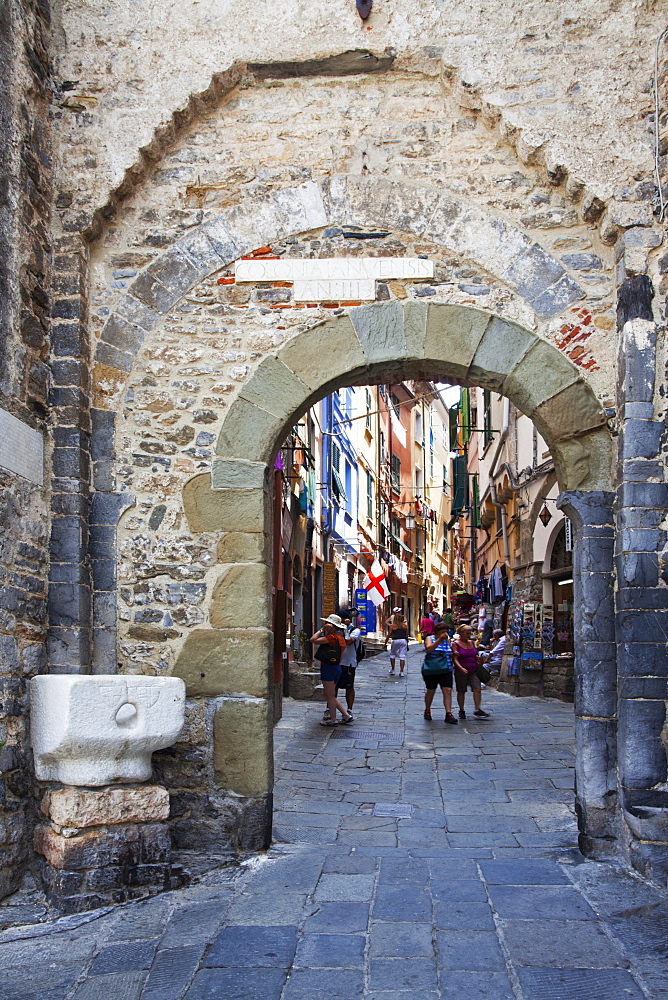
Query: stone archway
[(372, 344)]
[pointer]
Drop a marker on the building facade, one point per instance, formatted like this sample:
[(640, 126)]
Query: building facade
[(147, 387)]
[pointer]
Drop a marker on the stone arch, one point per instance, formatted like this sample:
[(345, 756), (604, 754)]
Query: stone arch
[(372, 343), (474, 233), (534, 148), (377, 342)]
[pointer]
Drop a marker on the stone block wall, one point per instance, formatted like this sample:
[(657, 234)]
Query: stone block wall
[(25, 307), (102, 847)]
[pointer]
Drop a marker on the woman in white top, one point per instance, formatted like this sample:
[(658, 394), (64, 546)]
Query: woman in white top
[(397, 633)]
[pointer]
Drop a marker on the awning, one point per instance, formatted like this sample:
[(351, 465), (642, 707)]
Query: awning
[(402, 544)]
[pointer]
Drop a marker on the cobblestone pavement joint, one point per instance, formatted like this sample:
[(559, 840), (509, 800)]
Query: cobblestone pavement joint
[(412, 860)]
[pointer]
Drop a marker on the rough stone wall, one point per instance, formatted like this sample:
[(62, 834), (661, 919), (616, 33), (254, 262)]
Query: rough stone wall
[(25, 198), (172, 403), (553, 71)]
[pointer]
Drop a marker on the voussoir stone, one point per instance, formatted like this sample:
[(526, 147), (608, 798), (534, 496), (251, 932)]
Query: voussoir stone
[(324, 353), (72, 807), (382, 331), (276, 389), (249, 432), (502, 347), (540, 374), (572, 411), (242, 747), (242, 595), (209, 509), (453, 335), (225, 661)]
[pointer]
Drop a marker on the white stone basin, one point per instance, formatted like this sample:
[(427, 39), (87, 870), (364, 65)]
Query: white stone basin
[(93, 730)]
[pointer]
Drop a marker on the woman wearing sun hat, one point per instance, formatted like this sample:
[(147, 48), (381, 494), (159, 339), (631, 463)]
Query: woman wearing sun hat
[(331, 644)]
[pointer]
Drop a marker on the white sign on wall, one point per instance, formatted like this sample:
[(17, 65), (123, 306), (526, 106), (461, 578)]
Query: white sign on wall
[(21, 448), (334, 279)]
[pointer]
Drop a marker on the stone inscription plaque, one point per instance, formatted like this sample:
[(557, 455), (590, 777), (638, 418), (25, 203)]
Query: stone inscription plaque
[(334, 279), (21, 448)]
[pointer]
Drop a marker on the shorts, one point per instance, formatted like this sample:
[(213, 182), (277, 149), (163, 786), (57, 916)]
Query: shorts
[(330, 672), (347, 678), (464, 681), (399, 648), (432, 681)]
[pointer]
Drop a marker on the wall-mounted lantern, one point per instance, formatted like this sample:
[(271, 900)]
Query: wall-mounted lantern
[(545, 515), (364, 8)]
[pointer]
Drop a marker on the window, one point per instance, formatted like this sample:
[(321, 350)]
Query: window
[(396, 473), (369, 496), (466, 415), (396, 405), (445, 478), (475, 502), (383, 454), (336, 457), (446, 547), (419, 482), (453, 428), (418, 427), (349, 487), (487, 417), (368, 402), (384, 535)]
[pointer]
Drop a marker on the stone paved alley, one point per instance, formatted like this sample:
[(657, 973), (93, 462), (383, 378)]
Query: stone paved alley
[(412, 860)]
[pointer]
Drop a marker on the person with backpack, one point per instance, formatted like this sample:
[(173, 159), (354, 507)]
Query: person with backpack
[(330, 644), (349, 659), (437, 671)]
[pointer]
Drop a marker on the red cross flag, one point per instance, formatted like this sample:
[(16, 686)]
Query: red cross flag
[(375, 584)]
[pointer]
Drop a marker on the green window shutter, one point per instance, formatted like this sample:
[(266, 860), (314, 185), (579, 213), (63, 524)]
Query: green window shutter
[(466, 415), (454, 423), (475, 510), (460, 487)]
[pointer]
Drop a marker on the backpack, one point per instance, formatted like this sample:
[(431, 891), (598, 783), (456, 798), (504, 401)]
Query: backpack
[(360, 650), (330, 651)]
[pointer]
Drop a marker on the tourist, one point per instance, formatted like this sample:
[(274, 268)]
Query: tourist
[(437, 671), (449, 620), (397, 633), (495, 657), (466, 660), (426, 626), (331, 644), (346, 681)]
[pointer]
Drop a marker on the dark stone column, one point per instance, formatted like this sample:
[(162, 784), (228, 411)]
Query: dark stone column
[(642, 594), (595, 669), (68, 642)]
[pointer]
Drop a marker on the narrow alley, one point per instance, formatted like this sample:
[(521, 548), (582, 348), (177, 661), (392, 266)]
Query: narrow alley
[(411, 860)]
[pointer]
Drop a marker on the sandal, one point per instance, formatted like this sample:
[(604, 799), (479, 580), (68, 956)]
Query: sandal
[(427, 715), (329, 724), (346, 722)]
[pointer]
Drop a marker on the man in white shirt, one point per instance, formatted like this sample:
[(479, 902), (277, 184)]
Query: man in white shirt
[(497, 651)]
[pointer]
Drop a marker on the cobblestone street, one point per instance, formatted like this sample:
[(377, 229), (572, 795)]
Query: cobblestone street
[(412, 860)]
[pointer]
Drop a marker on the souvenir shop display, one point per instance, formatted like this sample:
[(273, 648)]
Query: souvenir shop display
[(531, 631)]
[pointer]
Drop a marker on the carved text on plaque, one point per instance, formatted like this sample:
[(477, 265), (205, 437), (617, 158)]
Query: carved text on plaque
[(335, 279)]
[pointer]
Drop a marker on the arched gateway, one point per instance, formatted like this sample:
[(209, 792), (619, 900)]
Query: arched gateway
[(229, 661), (221, 777)]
